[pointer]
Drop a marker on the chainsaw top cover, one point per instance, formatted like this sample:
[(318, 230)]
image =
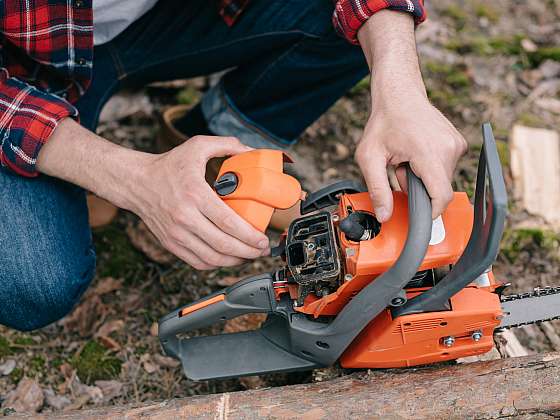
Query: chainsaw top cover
[(254, 184)]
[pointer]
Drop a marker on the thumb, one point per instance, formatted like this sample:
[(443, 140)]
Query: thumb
[(375, 173)]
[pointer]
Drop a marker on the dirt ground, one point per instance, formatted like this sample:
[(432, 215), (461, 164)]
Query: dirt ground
[(483, 61)]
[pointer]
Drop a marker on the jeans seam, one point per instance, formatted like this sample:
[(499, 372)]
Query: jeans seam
[(117, 62)]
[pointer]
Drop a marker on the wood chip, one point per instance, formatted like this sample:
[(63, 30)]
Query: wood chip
[(509, 346), (28, 397), (535, 166), (154, 328)]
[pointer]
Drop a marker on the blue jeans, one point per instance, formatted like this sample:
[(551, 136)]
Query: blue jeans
[(287, 68)]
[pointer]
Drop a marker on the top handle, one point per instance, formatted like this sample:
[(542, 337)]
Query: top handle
[(324, 343), (489, 217)]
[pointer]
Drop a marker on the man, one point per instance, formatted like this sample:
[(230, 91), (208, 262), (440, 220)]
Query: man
[(288, 65)]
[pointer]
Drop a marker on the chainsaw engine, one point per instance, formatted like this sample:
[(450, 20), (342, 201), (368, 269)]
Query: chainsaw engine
[(312, 255)]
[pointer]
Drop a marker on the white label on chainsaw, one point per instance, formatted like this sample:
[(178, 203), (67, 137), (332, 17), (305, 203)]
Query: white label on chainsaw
[(438, 231)]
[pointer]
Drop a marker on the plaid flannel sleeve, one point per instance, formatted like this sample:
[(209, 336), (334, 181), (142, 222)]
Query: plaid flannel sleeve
[(28, 116), (350, 15)]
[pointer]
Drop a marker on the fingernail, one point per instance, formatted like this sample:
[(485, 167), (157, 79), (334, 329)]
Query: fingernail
[(263, 244), (382, 214)]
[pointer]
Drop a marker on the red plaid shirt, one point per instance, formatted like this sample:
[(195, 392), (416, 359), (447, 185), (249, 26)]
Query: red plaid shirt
[(46, 55)]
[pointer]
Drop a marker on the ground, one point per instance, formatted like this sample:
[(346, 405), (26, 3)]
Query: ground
[(482, 61)]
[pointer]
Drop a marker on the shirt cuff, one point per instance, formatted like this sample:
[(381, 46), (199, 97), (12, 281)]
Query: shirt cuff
[(350, 15), (28, 116)]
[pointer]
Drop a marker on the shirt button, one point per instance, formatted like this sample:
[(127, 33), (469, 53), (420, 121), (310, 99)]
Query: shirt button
[(79, 3), (81, 61)]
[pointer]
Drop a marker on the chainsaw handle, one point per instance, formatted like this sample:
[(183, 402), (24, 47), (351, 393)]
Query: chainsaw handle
[(252, 295)]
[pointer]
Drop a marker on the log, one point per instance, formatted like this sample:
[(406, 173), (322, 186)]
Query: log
[(525, 386)]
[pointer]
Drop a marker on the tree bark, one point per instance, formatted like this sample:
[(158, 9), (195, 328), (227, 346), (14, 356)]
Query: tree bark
[(525, 386)]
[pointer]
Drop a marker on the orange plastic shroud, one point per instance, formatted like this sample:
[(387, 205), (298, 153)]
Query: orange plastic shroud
[(418, 338), (262, 185)]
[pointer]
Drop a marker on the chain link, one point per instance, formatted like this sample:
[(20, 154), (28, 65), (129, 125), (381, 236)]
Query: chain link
[(535, 293)]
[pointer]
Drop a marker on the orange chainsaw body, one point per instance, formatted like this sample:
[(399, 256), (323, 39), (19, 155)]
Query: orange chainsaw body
[(386, 342)]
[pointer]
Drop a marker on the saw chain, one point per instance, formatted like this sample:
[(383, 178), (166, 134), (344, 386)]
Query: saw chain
[(539, 305)]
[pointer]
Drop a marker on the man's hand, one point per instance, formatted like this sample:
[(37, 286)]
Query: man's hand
[(167, 191), (403, 126), (187, 216)]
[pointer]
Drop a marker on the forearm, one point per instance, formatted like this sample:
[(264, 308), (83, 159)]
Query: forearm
[(388, 42), (79, 156)]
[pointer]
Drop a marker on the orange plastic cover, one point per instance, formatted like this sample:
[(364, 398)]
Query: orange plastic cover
[(262, 185)]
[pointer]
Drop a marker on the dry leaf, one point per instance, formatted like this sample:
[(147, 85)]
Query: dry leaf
[(78, 403), (87, 316), (244, 323), (7, 367), (134, 300), (252, 382), (166, 361), (109, 342), (154, 329), (69, 376), (110, 389), (27, 397), (107, 285), (227, 281), (93, 392), (110, 327), (57, 402), (145, 241), (67, 370), (147, 364)]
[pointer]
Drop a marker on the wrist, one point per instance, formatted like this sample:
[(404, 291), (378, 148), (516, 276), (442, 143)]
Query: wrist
[(80, 157), (389, 44), (126, 179)]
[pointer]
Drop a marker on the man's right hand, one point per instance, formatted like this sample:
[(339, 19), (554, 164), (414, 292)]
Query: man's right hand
[(187, 216), (167, 191)]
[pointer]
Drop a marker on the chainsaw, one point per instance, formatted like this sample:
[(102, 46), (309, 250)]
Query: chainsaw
[(352, 290)]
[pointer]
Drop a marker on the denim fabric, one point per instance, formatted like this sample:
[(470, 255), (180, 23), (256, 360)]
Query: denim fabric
[(46, 255), (287, 67), (286, 64)]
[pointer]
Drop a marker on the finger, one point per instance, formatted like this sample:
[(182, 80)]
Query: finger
[(374, 170), (188, 257), (231, 223), (223, 243), (437, 183), (214, 146), (206, 253)]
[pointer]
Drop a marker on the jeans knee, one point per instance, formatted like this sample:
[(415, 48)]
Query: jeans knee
[(45, 290)]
